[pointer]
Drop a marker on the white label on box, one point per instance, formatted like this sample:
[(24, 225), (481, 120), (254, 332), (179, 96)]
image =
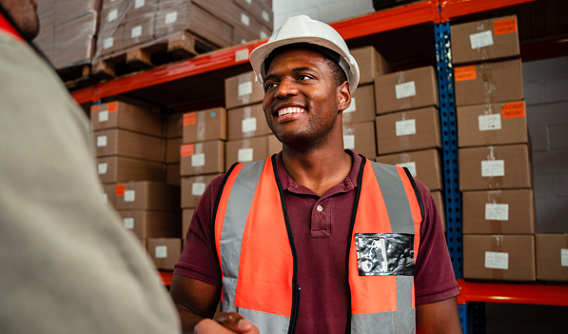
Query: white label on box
[(105, 198), (245, 88), (112, 15), (136, 32), (103, 116), (245, 20), (494, 211), (245, 154), (249, 1), (489, 122), (103, 168), (198, 188), (101, 141), (139, 3), (265, 16), (263, 35), (171, 17), (108, 43), (243, 41), (497, 260), (161, 252), (411, 166), (491, 168), (352, 107), (405, 128), (129, 223), (406, 89), (349, 142), (481, 39), (198, 160), (129, 195), (242, 55), (249, 124), (564, 257)]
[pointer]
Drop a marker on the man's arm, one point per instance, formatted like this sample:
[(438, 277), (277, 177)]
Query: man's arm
[(439, 317)]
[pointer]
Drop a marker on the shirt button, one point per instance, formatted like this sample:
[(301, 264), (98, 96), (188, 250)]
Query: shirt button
[(320, 208)]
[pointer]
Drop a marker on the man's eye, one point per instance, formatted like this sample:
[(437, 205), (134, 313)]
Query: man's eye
[(303, 77), (269, 85)]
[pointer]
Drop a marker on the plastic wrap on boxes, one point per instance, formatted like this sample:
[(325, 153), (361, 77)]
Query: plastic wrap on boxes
[(67, 31)]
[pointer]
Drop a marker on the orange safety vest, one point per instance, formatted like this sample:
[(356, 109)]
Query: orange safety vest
[(258, 258)]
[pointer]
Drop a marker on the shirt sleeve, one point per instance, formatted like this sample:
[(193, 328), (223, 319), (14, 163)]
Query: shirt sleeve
[(198, 259), (434, 278)]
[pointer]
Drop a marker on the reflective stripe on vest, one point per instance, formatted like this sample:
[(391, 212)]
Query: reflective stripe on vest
[(251, 231)]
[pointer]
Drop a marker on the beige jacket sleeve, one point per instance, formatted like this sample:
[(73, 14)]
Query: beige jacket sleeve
[(66, 264)]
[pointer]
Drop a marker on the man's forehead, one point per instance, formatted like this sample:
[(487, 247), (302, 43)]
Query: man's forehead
[(299, 53)]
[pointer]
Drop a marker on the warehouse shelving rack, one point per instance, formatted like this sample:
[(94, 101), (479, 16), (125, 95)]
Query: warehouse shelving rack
[(424, 30)]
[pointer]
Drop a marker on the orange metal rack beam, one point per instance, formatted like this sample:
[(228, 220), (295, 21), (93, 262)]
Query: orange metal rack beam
[(455, 8), (556, 295), (166, 277)]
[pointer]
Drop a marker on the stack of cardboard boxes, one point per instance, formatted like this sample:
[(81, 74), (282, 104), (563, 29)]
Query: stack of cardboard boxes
[(494, 156), (221, 23), (408, 126), (130, 151), (67, 31)]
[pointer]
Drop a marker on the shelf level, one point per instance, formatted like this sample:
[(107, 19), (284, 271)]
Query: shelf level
[(451, 9), (537, 294)]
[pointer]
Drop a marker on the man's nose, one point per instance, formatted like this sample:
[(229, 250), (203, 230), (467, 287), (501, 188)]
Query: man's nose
[(286, 88)]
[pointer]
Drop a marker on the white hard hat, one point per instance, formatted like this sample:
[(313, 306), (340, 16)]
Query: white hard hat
[(302, 29)]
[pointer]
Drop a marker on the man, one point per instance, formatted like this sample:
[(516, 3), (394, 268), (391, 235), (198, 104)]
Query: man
[(316, 239), (67, 264)]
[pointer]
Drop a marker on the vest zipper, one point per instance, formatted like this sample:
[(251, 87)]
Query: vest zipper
[(350, 236)]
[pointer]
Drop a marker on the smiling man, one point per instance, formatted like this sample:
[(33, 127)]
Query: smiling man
[(316, 239)]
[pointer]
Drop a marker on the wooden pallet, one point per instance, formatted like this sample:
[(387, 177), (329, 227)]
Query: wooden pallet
[(77, 76), (178, 46)]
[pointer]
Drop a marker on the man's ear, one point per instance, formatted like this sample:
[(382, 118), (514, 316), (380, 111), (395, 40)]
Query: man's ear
[(344, 96)]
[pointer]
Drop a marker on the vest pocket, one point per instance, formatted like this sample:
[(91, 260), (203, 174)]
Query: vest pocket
[(380, 254)]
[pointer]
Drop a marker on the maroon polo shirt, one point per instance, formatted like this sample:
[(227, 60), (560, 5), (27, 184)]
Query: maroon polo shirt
[(320, 226)]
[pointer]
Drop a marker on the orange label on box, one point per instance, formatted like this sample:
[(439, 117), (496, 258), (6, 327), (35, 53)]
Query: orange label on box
[(186, 150), (189, 119), (113, 107), (97, 107), (513, 109), (464, 73), (120, 189), (505, 26)]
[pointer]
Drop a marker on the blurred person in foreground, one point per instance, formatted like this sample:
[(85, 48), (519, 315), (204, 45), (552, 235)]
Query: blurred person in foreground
[(315, 239), (67, 266)]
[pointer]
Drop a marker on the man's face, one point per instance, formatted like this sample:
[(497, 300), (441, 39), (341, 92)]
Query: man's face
[(302, 101), (23, 13)]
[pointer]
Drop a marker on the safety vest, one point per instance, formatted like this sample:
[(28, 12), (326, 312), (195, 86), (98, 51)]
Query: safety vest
[(258, 261)]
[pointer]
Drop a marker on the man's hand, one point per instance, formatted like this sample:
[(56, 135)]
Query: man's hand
[(226, 323)]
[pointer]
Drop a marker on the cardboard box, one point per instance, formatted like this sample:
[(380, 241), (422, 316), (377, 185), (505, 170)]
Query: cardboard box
[(440, 207), (74, 41), (371, 64), (147, 195), (498, 212), (489, 83), (202, 158), (174, 16), (242, 90), (408, 131), (424, 165), (260, 10), (140, 30), (110, 40), (495, 167), (499, 257), (164, 252), (416, 88), (359, 137), (205, 125), (246, 150), (274, 145), (187, 217), (173, 126), (193, 187), (552, 257), (362, 108), (119, 169), (116, 142), (247, 122), (141, 8), (120, 115), (152, 224), (108, 194), (172, 174), (173, 147), (484, 40), (492, 124)]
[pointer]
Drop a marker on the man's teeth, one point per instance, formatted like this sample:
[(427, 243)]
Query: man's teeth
[(290, 110)]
